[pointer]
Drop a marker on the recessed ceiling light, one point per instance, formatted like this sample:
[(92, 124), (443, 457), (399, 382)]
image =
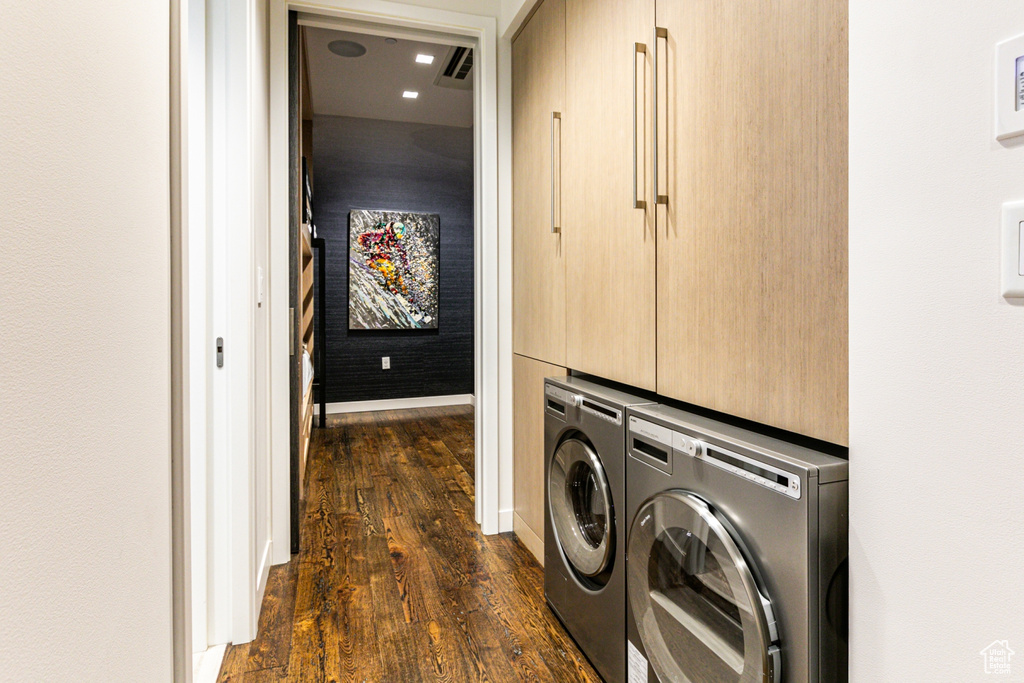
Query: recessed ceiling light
[(410, 94), (390, 41), (424, 59), (346, 48)]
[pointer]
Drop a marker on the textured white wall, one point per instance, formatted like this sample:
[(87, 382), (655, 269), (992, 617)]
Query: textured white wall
[(85, 569), (936, 362)]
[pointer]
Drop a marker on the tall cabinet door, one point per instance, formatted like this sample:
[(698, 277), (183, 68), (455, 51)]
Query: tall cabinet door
[(538, 95), (609, 235), (752, 274)]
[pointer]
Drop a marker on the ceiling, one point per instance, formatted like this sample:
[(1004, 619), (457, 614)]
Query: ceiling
[(371, 86)]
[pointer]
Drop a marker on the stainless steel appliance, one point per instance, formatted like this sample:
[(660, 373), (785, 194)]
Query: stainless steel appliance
[(736, 554), (584, 526)]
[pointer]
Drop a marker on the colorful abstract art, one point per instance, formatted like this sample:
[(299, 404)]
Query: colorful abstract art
[(393, 270)]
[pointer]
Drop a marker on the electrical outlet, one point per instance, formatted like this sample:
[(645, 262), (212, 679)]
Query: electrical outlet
[(385, 362)]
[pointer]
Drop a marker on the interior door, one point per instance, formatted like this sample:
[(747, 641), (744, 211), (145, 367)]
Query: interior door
[(538, 270), (608, 219), (697, 607), (752, 262)]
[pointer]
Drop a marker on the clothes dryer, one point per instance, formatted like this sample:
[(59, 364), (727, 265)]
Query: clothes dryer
[(736, 554)]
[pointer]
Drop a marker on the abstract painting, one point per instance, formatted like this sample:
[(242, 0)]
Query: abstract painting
[(393, 270)]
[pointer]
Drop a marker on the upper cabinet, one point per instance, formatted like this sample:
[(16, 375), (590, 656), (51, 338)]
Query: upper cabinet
[(608, 217), (696, 164), (752, 261), (538, 271)]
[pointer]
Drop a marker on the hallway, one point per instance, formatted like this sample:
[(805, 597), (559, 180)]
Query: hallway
[(395, 581)]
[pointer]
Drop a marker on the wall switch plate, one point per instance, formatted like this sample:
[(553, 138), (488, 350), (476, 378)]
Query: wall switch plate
[(1013, 250), (385, 362), (1010, 88)]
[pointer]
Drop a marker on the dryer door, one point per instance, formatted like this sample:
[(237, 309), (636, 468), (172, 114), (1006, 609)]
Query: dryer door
[(699, 612), (581, 507)]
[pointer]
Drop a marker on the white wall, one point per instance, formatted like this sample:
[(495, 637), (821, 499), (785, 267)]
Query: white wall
[(936, 369), (487, 8), (85, 527), (512, 14)]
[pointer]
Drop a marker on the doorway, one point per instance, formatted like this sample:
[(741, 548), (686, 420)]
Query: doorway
[(242, 170), (383, 268), (443, 30)]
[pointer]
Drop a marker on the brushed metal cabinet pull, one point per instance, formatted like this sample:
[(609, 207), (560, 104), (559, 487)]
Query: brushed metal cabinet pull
[(638, 49), (658, 33), (555, 224)]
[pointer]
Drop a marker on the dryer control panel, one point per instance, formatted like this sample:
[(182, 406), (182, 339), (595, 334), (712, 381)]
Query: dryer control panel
[(653, 443), (753, 470)]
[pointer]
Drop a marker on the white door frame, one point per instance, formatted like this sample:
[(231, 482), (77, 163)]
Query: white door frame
[(492, 267), (236, 569)]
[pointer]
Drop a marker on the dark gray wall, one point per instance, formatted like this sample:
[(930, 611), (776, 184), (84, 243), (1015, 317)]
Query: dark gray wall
[(370, 164)]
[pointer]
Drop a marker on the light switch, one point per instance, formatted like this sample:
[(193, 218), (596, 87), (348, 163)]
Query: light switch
[(1020, 248), (1013, 250)]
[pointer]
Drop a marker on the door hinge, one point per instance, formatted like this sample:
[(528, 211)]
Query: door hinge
[(291, 331)]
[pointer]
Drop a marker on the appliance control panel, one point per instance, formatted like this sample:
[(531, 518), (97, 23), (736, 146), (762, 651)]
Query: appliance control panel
[(754, 471), (643, 434), (556, 393), (685, 444), (606, 413), (662, 435)]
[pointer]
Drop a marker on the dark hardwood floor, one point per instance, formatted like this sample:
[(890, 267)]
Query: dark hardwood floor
[(395, 581)]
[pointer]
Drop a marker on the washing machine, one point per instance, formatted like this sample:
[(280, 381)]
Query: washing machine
[(585, 525), (736, 557)]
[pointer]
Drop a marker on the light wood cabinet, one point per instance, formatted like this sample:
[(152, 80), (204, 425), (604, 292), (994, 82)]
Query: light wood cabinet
[(609, 242), (528, 449), (703, 250), (752, 260), (538, 271)]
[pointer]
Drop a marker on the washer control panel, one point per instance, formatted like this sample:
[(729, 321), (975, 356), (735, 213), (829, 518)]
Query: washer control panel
[(557, 399), (606, 413)]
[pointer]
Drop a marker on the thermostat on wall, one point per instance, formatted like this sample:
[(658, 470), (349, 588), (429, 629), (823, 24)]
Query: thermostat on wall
[(1010, 88)]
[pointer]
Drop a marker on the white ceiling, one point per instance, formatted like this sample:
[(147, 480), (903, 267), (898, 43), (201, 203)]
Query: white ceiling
[(371, 86)]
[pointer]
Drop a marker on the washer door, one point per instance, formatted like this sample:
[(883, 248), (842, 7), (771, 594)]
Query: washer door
[(581, 507), (697, 607)]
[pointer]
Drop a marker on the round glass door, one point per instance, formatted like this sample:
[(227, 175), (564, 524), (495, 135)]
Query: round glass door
[(699, 612), (581, 508)]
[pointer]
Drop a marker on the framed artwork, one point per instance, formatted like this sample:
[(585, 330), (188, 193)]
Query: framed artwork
[(393, 270)]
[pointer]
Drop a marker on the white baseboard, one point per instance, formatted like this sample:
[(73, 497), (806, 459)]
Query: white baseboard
[(399, 404), (264, 571), (505, 522), (206, 665)]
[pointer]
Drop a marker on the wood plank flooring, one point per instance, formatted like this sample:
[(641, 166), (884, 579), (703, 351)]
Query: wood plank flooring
[(395, 581)]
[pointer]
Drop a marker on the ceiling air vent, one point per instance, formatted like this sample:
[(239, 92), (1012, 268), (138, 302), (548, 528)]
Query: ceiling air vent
[(456, 69)]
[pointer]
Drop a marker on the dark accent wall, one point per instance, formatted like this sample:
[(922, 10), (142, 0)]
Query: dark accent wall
[(370, 164)]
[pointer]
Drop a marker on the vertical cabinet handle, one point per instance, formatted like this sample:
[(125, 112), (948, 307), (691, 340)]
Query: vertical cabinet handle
[(663, 34), (556, 173), (638, 49)]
